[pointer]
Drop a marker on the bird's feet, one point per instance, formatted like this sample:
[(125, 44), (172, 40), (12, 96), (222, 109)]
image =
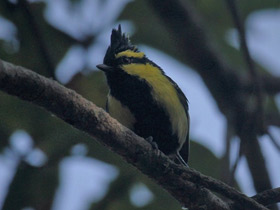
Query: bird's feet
[(154, 144)]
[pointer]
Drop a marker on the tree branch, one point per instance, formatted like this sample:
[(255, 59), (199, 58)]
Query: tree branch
[(268, 197), (274, 141), (186, 185), (250, 64), (84, 115), (271, 84)]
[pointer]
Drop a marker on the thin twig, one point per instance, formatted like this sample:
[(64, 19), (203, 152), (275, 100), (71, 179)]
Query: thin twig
[(270, 85), (225, 176), (273, 140), (234, 167), (255, 78), (268, 197)]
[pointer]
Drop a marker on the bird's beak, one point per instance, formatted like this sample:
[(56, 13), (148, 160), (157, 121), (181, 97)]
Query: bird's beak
[(104, 67)]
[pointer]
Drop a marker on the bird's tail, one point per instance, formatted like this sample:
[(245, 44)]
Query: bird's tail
[(181, 160)]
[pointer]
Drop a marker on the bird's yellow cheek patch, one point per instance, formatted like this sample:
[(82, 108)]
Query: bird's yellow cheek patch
[(120, 112), (165, 93), (130, 53)]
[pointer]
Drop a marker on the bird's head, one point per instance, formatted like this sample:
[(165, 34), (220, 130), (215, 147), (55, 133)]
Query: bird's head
[(120, 52)]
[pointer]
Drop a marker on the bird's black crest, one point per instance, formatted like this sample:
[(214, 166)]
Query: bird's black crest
[(119, 42)]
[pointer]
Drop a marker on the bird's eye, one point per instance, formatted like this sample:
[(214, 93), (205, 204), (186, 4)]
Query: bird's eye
[(126, 60)]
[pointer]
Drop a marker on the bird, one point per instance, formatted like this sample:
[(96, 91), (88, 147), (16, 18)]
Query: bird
[(144, 99)]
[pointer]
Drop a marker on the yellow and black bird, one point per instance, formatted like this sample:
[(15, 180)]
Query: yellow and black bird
[(144, 99)]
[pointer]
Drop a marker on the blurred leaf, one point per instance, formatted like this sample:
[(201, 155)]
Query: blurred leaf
[(33, 44), (33, 187), (203, 160), (93, 87)]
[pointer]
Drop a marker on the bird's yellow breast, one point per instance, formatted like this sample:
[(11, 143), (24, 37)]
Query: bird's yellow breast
[(165, 94), (120, 112)]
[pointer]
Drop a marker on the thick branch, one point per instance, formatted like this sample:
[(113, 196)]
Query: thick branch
[(186, 185), (84, 115)]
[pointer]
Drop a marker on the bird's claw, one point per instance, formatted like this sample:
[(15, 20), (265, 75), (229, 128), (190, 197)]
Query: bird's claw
[(154, 144)]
